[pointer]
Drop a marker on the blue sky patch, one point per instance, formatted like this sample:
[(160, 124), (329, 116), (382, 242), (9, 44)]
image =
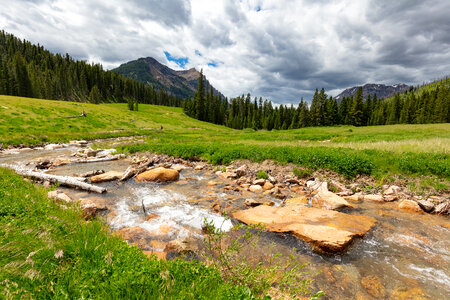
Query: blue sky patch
[(180, 61), (198, 53), (258, 8)]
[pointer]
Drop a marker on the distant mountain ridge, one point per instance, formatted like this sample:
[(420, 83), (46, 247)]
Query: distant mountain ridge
[(181, 84), (382, 91)]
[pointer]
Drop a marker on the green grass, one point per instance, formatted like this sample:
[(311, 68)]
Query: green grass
[(50, 252), (376, 150)]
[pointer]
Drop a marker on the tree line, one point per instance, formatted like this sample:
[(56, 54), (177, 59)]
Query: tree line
[(29, 70), (415, 106)]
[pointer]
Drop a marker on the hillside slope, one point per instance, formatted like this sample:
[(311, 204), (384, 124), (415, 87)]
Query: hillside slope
[(148, 70)]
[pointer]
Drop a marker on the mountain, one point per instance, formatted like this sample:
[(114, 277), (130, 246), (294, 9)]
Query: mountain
[(181, 84), (382, 91)]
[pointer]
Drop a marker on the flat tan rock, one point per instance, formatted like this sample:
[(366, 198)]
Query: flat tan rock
[(329, 200), (108, 176), (325, 230), (159, 174)]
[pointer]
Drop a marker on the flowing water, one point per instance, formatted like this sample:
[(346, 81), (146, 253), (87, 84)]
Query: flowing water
[(406, 255)]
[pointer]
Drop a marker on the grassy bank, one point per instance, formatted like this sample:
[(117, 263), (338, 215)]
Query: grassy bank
[(407, 150), (50, 252)]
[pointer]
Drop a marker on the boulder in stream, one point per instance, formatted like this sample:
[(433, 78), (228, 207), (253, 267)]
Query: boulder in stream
[(329, 200), (325, 230), (410, 206), (159, 174)]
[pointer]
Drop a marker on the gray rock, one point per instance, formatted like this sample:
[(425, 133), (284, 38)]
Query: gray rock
[(426, 205)]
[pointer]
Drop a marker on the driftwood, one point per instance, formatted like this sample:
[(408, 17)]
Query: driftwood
[(92, 173), (83, 114), (63, 180), (94, 160)]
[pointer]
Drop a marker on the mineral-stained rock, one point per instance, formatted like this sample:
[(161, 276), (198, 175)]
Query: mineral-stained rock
[(410, 206), (325, 230), (159, 174), (108, 176), (268, 186), (329, 200), (373, 286), (408, 294), (242, 170)]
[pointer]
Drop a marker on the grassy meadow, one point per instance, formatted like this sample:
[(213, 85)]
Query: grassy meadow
[(406, 150), (47, 251)]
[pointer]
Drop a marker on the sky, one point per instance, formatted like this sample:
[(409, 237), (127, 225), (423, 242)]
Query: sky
[(281, 50)]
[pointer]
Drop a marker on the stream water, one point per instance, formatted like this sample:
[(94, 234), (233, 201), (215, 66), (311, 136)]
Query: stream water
[(406, 255)]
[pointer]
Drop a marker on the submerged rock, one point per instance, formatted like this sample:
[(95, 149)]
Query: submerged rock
[(329, 200), (373, 286), (159, 174), (302, 200), (325, 230)]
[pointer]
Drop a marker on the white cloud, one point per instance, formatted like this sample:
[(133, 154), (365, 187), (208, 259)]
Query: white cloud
[(276, 49)]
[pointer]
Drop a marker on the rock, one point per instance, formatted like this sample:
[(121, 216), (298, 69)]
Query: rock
[(61, 162), (292, 180), (59, 196), (272, 179), (159, 174), (255, 188), (212, 182), (426, 205), (151, 217), (373, 286), (105, 153), (302, 200), (252, 202), (339, 186), (178, 168), (242, 170), (181, 245), (47, 184), (267, 186), (226, 175), (325, 230), (260, 182), (356, 197), (408, 294), (329, 200), (198, 167), (410, 206), (392, 190), (130, 233), (91, 208), (316, 185), (108, 176), (443, 208), (390, 198), (159, 254), (52, 146), (376, 198)]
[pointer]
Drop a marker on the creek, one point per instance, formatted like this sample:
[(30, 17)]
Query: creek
[(405, 256)]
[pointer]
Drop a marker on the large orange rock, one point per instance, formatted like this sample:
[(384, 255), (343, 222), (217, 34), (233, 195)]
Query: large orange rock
[(410, 206), (159, 174), (325, 230), (108, 176), (329, 200)]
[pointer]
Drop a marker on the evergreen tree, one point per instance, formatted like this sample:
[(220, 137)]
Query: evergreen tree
[(357, 108)]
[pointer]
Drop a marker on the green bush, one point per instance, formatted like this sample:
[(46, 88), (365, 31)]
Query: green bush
[(262, 175), (303, 173)]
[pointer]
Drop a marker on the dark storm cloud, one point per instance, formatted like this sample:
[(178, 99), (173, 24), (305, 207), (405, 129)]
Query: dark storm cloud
[(282, 50)]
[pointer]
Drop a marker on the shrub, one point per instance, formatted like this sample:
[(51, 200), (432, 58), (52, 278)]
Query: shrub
[(303, 173), (262, 174)]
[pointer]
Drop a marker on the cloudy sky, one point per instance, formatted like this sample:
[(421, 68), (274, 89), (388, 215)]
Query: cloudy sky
[(280, 50)]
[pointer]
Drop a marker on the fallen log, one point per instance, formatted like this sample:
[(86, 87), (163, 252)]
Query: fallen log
[(84, 161), (132, 170), (63, 180)]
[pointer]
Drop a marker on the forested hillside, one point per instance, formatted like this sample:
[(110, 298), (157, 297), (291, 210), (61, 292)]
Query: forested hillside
[(32, 71), (427, 104)]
